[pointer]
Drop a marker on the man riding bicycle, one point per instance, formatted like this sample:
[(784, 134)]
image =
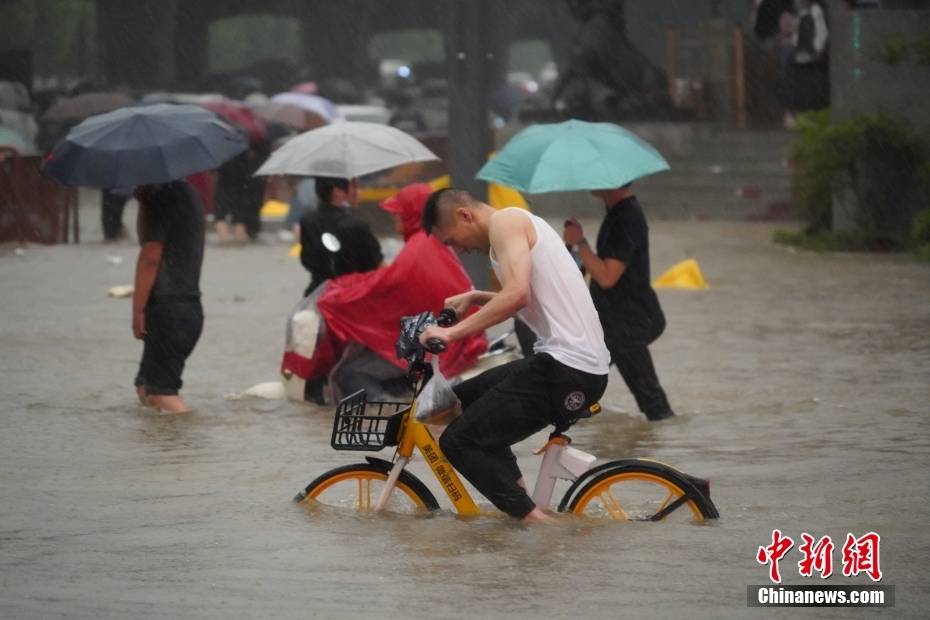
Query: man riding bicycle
[(567, 372)]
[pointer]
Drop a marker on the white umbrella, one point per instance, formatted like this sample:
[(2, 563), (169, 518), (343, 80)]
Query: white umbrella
[(322, 106), (346, 149)]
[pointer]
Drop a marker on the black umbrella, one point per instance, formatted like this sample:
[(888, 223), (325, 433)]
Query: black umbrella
[(141, 145)]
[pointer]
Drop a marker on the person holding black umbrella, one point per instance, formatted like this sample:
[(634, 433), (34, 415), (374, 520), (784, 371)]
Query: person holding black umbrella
[(151, 148), (166, 310)]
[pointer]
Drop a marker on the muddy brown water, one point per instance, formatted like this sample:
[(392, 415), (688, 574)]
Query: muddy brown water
[(801, 381)]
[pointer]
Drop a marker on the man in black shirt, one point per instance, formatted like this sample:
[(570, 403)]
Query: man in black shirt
[(622, 291), (166, 310), (351, 246)]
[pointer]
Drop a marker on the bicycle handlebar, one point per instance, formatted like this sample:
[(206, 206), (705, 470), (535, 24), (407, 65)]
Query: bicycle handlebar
[(446, 318), (408, 344), (435, 345)]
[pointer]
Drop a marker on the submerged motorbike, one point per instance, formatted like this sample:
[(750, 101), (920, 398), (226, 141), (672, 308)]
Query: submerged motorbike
[(356, 367)]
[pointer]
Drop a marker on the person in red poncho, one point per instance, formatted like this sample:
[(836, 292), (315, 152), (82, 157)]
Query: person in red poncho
[(360, 313)]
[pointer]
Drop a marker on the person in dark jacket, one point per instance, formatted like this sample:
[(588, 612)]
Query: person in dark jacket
[(333, 241), (621, 287)]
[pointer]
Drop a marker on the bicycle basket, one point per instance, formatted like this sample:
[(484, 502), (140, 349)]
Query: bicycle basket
[(363, 425)]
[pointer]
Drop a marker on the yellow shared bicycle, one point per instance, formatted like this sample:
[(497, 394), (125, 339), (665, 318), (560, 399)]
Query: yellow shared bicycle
[(623, 489)]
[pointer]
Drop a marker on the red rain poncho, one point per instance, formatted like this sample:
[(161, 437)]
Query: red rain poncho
[(367, 307)]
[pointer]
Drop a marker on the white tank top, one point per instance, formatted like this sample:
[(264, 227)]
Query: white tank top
[(560, 311)]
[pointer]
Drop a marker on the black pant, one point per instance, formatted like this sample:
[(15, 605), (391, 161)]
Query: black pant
[(111, 214), (635, 365), (505, 405), (172, 330)]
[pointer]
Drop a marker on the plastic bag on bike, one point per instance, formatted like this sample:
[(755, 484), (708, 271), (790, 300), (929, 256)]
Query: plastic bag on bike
[(437, 403)]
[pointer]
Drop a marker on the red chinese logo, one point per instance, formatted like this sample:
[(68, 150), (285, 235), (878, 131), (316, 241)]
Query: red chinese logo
[(860, 555), (773, 553), (817, 557)]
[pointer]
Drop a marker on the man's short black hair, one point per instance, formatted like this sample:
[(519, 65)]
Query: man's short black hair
[(325, 185), (430, 216)]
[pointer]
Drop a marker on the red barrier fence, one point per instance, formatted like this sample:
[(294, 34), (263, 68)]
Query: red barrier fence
[(33, 207)]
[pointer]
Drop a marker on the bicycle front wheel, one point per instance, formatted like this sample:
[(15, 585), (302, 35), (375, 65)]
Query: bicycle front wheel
[(636, 490), (357, 488)]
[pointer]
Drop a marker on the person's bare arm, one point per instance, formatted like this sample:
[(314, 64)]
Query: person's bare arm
[(146, 272), (605, 271), (511, 245), (480, 298), (462, 302)]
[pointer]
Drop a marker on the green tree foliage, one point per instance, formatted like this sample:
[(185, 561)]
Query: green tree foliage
[(237, 42), (876, 160), (60, 33), (816, 164)]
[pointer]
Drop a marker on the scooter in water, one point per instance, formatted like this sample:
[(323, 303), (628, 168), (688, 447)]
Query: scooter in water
[(500, 351), (359, 369)]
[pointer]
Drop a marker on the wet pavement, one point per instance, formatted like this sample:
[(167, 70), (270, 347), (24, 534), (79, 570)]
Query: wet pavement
[(801, 381)]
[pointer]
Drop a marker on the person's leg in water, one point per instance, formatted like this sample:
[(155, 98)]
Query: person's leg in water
[(535, 515), (111, 216), (501, 407), (635, 365), (242, 211), (167, 403), (140, 392), (223, 232), (172, 331), (477, 443), (240, 234), (223, 212)]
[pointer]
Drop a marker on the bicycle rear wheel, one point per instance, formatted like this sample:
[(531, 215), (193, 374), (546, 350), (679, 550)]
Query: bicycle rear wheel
[(637, 490), (357, 488)]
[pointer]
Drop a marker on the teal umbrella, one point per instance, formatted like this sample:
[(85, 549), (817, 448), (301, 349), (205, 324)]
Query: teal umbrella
[(574, 155)]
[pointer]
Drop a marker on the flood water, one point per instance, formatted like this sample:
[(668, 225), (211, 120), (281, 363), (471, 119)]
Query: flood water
[(801, 381)]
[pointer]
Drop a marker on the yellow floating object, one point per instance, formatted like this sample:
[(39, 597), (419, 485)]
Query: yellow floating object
[(275, 208), (501, 197), (294, 252), (122, 291), (685, 275), (441, 182), (375, 194)]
